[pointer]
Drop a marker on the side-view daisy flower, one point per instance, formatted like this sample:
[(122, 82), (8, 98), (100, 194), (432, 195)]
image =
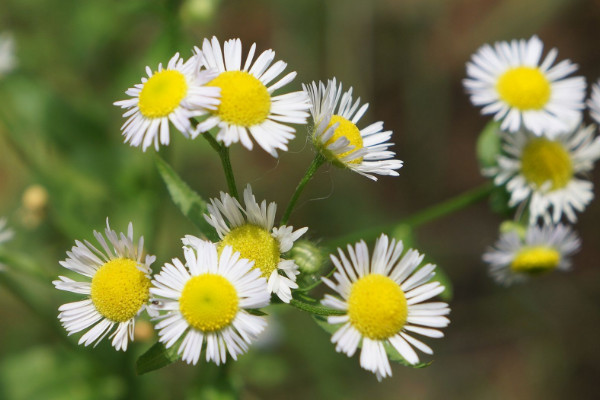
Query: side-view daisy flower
[(514, 259), (548, 172), (250, 231), (340, 141), (248, 107), (510, 82), (594, 102), (117, 290), (173, 94), (383, 300), (7, 53), (206, 300)]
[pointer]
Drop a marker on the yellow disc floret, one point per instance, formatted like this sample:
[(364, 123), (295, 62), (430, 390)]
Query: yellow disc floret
[(377, 307), (119, 289), (525, 88), (209, 302), (535, 259), (162, 94), (245, 101), (545, 160), (350, 131), (256, 244)]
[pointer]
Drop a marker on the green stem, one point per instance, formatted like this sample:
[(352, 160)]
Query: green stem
[(312, 168), (315, 309), (223, 152), (430, 214)]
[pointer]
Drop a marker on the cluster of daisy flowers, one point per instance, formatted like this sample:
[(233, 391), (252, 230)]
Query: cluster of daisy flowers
[(546, 152), (211, 300)]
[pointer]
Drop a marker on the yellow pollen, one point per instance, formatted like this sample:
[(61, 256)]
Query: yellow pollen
[(256, 244), (536, 259), (119, 289), (350, 131), (162, 94), (377, 307), (209, 302), (544, 160), (245, 101), (525, 88)]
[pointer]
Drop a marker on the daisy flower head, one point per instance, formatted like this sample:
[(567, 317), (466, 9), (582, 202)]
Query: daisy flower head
[(383, 299), (5, 232), (172, 94), (547, 172), (117, 287), (250, 231), (206, 301), (511, 81), (7, 53), (594, 102), (340, 141), (515, 258), (248, 107)]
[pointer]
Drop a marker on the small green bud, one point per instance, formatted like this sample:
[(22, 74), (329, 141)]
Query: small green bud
[(308, 256)]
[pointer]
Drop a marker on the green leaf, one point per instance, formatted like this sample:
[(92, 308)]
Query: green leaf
[(392, 354), (188, 201), (156, 357), (257, 312), (499, 199), (489, 145)]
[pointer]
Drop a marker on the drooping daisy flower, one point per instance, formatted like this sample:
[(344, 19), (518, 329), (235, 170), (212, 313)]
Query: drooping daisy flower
[(7, 53), (206, 300), (118, 288), (175, 93), (546, 172), (594, 102), (337, 137), (514, 259), (5, 232), (248, 107), (383, 299), (250, 231), (509, 81)]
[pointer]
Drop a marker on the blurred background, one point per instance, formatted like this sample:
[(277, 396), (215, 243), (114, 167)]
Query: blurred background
[(64, 169)]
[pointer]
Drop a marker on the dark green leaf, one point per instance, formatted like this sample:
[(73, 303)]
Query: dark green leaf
[(256, 312), (156, 357), (188, 201), (488, 145), (499, 201)]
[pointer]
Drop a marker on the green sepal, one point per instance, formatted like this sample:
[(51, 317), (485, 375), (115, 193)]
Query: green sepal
[(392, 354), (187, 200), (156, 357), (489, 145)]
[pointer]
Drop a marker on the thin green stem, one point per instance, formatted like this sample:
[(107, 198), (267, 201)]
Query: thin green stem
[(312, 168), (315, 309), (223, 152), (427, 215)]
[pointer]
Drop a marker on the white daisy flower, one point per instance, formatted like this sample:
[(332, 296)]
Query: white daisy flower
[(8, 60), (546, 172), (250, 231), (118, 288), (514, 259), (383, 299), (176, 94), (248, 107), (509, 81), (594, 102), (337, 137), (5, 232), (206, 300)]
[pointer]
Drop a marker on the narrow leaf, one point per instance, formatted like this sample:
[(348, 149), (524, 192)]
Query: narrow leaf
[(156, 357), (188, 201)]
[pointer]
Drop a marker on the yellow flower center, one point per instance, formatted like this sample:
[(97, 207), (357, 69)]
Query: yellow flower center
[(545, 160), (377, 307), (256, 244), (245, 101), (537, 259), (350, 131), (162, 94), (525, 88), (120, 289), (209, 302)]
